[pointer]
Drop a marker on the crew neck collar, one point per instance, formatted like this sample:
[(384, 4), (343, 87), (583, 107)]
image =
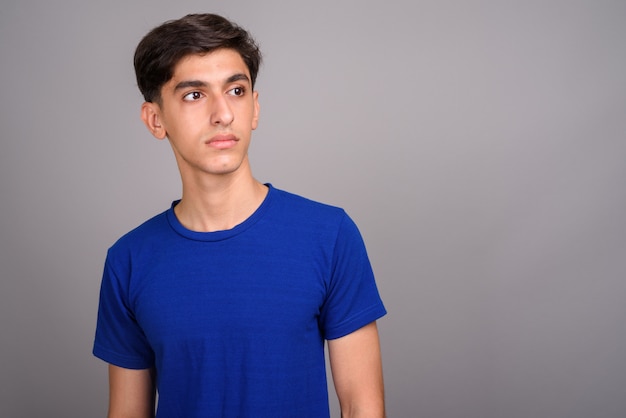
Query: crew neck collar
[(224, 234)]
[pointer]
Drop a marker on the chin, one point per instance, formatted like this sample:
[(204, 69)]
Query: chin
[(224, 169)]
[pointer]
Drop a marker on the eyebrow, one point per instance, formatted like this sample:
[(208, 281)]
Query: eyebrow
[(199, 83)]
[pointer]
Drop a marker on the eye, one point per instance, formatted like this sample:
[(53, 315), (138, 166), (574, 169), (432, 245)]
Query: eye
[(237, 91), (194, 95)]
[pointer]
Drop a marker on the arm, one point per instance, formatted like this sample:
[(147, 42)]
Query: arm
[(357, 373), (131, 393)]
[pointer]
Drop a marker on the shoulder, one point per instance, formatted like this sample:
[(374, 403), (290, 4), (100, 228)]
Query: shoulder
[(311, 220), (297, 205), (150, 231)]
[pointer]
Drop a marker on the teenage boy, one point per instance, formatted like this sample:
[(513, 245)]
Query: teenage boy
[(222, 303)]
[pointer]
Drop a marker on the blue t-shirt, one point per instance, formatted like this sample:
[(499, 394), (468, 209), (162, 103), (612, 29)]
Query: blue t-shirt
[(234, 321)]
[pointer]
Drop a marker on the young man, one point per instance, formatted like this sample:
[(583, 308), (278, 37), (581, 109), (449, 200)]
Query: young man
[(222, 303)]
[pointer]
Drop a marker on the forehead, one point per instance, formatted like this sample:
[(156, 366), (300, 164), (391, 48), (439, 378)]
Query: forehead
[(215, 65)]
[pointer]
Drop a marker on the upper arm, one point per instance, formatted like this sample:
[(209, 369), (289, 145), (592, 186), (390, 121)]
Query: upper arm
[(356, 366), (131, 393)]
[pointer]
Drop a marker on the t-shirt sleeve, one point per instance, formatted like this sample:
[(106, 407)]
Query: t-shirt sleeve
[(119, 339), (352, 300)]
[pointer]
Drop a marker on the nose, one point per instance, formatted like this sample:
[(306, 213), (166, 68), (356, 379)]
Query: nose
[(221, 112)]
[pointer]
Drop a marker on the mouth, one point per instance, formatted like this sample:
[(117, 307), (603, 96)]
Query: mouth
[(222, 141)]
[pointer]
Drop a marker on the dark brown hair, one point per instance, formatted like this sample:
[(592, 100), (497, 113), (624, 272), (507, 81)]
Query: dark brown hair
[(164, 46)]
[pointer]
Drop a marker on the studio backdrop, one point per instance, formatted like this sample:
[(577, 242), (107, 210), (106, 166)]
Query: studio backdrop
[(479, 145)]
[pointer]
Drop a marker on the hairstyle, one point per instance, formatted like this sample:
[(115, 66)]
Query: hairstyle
[(164, 46)]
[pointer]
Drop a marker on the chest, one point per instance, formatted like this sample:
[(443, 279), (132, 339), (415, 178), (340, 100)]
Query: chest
[(215, 291)]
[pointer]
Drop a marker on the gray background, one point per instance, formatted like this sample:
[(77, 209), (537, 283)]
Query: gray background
[(479, 145)]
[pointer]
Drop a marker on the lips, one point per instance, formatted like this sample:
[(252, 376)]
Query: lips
[(222, 141)]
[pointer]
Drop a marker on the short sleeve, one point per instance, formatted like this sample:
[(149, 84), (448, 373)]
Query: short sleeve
[(119, 339), (352, 300)]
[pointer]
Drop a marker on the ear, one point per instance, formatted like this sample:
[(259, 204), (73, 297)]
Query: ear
[(255, 115), (151, 117)]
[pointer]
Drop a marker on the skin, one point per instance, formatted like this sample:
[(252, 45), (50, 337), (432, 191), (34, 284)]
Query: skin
[(356, 365), (132, 393), (208, 111)]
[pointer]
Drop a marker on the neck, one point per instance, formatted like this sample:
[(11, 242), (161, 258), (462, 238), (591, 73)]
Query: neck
[(219, 203)]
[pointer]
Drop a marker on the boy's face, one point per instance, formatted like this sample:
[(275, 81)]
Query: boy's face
[(208, 112)]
